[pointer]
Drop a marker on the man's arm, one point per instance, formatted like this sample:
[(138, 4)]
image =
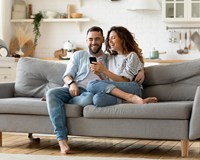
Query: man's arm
[(73, 88)]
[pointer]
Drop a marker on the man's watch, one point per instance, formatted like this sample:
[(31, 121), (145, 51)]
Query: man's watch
[(70, 82)]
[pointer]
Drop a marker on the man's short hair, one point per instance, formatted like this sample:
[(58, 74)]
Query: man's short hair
[(95, 29)]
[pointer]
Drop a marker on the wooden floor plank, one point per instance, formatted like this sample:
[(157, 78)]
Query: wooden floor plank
[(99, 147), (161, 149)]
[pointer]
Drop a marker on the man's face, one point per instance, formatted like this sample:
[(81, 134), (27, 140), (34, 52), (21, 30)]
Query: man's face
[(94, 41)]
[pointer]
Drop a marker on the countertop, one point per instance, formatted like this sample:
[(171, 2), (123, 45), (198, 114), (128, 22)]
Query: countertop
[(164, 60), (145, 60)]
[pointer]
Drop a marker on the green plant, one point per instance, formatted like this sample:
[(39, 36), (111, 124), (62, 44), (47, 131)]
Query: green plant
[(36, 26)]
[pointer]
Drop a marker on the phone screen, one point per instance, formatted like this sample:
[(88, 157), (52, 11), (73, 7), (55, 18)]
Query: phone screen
[(93, 59)]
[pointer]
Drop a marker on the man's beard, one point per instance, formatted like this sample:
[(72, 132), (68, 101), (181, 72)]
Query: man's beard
[(97, 51)]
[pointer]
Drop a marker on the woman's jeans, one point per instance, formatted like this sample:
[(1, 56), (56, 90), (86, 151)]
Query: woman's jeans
[(102, 88), (56, 98)]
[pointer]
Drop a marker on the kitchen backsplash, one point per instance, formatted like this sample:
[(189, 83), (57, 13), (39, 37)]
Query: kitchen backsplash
[(147, 26)]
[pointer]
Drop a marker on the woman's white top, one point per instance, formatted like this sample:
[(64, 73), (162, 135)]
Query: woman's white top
[(126, 66)]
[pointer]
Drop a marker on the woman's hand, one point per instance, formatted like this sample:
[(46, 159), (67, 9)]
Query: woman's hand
[(140, 76), (97, 67)]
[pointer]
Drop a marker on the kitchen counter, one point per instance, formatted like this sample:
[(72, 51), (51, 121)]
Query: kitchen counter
[(145, 60), (163, 60)]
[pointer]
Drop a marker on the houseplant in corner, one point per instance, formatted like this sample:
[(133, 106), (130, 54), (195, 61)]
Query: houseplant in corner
[(36, 26)]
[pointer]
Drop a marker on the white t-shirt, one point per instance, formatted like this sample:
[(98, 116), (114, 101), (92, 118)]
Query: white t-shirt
[(126, 66)]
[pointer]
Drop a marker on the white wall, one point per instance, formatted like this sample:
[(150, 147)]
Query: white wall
[(148, 27), (5, 26), (1, 20)]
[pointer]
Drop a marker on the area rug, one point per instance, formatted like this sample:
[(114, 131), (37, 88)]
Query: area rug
[(45, 157)]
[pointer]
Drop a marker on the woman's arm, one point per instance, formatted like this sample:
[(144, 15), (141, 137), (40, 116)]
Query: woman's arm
[(140, 76), (98, 67)]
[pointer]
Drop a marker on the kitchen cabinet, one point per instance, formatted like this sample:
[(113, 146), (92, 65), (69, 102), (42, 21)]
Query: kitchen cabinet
[(7, 69), (181, 10)]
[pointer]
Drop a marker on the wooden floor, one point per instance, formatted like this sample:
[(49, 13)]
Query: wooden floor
[(98, 147)]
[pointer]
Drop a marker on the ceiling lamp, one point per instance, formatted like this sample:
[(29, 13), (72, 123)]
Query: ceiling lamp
[(145, 5)]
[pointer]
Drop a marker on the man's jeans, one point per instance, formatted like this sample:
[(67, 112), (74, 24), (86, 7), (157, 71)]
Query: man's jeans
[(102, 88), (56, 98)]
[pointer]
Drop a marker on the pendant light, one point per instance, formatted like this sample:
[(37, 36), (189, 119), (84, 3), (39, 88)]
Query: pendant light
[(144, 5)]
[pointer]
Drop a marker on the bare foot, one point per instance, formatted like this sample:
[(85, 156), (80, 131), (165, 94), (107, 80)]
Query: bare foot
[(43, 99), (150, 100), (64, 148), (138, 100), (135, 99)]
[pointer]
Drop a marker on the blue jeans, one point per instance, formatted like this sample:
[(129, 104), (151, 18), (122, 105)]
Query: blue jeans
[(56, 98), (102, 88)]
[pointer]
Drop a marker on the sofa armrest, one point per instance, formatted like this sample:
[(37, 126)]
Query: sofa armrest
[(194, 128), (7, 89)]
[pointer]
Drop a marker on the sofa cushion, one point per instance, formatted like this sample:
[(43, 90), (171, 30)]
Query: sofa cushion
[(34, 106), (173, 82), (161, 110), (34, 76)]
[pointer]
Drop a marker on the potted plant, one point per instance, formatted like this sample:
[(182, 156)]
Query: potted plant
[(36, 26)]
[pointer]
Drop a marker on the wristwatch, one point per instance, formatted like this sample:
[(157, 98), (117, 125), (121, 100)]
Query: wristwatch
[(70, 82)]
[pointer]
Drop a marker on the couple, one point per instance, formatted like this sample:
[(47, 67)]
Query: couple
[(87, 83)]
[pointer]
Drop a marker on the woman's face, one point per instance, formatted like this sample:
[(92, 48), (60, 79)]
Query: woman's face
[(115, 42)]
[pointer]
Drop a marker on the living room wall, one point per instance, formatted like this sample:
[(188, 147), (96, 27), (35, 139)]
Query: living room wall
[(147, 26)]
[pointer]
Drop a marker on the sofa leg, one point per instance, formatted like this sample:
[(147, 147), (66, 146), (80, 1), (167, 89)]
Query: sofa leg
[(32, 139), (184, 148), (0, 139)]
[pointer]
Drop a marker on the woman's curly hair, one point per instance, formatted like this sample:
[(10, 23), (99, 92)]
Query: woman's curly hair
[(128, 42)]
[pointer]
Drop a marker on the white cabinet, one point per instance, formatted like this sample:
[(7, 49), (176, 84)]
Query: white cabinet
[(181, 10), (7, 69), (194, 10)]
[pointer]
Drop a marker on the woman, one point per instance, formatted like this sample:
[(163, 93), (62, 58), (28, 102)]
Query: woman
[(124, 63)]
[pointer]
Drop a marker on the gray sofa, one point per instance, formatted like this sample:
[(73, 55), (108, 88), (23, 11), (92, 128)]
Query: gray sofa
[(175, 117)]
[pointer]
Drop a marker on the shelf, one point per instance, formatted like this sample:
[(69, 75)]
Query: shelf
[(55, 20)]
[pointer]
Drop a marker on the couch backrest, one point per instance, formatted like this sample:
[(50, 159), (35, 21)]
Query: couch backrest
[(34, 76), (173, 82)]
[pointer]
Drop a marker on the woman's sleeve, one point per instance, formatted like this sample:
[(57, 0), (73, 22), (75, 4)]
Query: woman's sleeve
[(132, 66)]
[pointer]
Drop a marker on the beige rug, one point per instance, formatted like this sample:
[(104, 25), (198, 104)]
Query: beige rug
[(44, 157)]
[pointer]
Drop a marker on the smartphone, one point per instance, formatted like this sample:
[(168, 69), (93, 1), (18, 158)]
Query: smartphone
[(93, 59)]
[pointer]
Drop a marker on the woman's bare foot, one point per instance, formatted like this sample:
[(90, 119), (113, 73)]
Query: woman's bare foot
[(150, 100), (64, 148), (134, 99), (138, 100)]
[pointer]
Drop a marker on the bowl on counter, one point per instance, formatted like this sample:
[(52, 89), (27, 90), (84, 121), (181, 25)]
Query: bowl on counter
[(76, 15), (51, 14)]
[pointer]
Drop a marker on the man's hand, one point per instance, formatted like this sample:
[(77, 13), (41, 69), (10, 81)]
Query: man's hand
[(140, 76), (73, 90)]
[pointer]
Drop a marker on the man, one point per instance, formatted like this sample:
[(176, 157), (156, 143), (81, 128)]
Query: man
[(76, 77)]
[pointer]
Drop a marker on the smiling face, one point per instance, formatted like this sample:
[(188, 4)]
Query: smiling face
[(115, 42), (94, 41)]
